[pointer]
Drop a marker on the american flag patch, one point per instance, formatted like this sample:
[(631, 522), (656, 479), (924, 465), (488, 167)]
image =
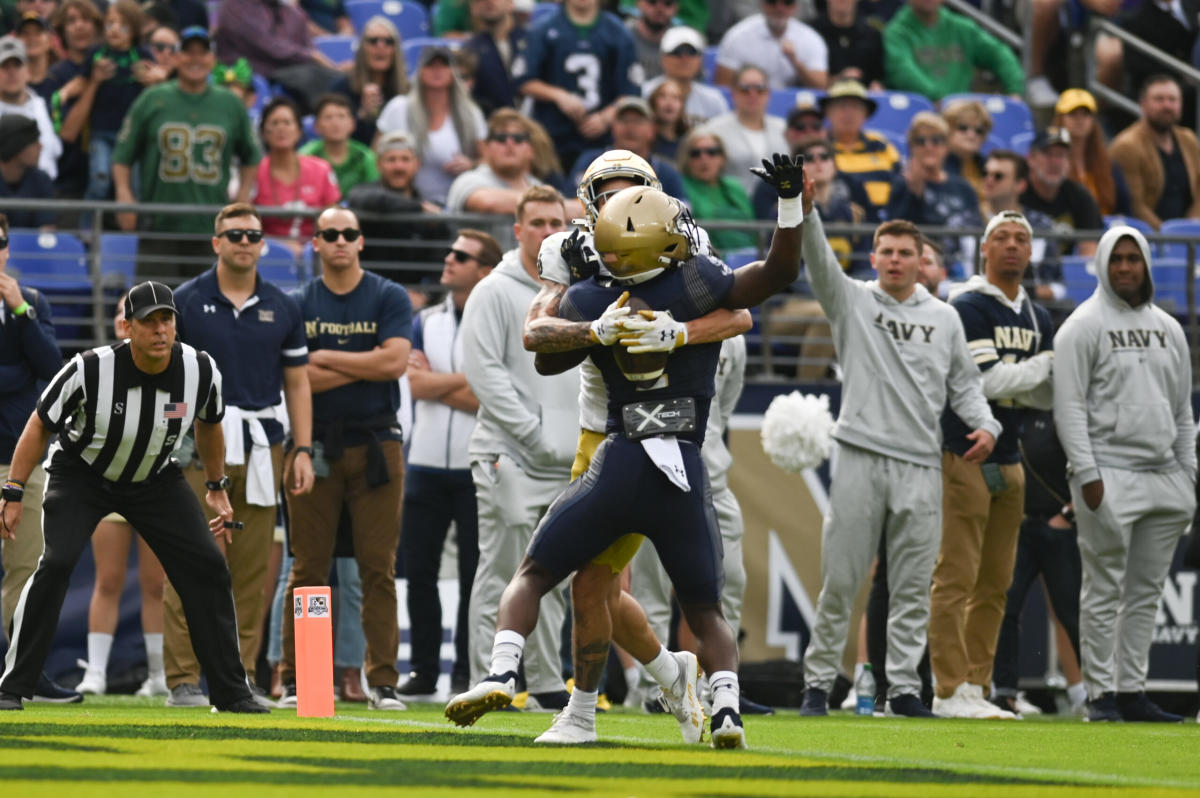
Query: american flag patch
[(175, 410)]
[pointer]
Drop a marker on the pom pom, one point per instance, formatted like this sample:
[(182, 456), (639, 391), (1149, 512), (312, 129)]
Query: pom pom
[(797, 431)]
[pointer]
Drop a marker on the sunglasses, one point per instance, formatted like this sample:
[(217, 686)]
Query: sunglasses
[(819, 157), (330, 235), (696, 152), (515, 138), (929, 141), (993, 175), (380, 41), (977, 130), (760, 88), (164, 47), (3, 243), (803, 126), (460, 256), (236, 236)]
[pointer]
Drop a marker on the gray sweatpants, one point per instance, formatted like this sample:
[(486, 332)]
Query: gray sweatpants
[(872, 493), (651, 586), (510, 505), (1126, 547)]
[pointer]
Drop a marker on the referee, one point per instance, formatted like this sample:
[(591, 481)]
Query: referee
[(120, 411)]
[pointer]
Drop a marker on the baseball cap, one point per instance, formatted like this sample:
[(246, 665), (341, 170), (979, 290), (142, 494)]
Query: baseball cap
[(848, 89), (436, 51), (12, 47), (32, 16), (1071, 99), (396, 140), (634, 104), (1051, 137), (145, 298), (804, 108), (680, 36), (194, 33), (16, 133), (1006, 217)]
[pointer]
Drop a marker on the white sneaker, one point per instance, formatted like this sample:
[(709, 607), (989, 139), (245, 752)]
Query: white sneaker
[(491, 694), (968, 702), (569, 729), (187, 695), (683, 699), (1024, 707), (987, 709), (1040, 93), (384, 697), (92, 683), (155, 684), (727, 731)]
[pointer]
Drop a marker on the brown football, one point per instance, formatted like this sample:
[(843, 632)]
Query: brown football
[(644, 368)]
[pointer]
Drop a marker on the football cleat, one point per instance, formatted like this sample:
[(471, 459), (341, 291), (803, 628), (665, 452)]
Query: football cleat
[(494, 692), (569, 729), (683, 699), (727, 731)]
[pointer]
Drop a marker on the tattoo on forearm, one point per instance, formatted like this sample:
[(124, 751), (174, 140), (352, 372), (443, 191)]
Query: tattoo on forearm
[(545, 332), (590, 659)]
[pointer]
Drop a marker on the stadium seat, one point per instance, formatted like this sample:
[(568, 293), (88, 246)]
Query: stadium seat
[(1137, 224), (49, 261), (1170, 284), (338, 49), (782, 101), (413, 48), (1079, 277), (118, 259), (894, 111), (1012, 121), (1180, 227), (737, 258), (708, 72), (308, 130), (277, 265), (410, 18)]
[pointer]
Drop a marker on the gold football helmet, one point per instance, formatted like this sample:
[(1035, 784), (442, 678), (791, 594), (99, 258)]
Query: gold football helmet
[(610, 164), (645, 229)]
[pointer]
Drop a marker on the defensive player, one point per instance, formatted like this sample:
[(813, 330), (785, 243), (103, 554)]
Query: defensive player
[(648, 475)]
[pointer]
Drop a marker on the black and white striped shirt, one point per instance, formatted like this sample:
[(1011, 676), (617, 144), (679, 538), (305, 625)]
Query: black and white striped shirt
[(123, 422)]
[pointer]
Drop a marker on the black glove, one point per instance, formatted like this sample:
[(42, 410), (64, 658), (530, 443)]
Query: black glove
[(582, 260), (785, 174)]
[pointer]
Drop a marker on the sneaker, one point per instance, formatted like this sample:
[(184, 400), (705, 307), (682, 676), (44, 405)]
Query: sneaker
[(384, 697), (552, 701), (1040, 92), (243, 706), (815, 703), (748, 707), (288, 698), (494, 692), (260, 697), (187, 695), (569, 729), (10, 701), (727, 731), (1103, 709), (1016, 704), (968, 702), (987, 710), (1138, 708), (841, 692), (683, 699), (418, 684), (1026, 707), (155, 684), (92, 683), (49, 691), (907, 705)]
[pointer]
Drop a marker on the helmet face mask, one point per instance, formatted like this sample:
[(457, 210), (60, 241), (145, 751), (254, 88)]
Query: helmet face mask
[(644, 230), (608, 165)]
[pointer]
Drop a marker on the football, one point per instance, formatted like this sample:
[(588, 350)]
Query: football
[(645, 368)]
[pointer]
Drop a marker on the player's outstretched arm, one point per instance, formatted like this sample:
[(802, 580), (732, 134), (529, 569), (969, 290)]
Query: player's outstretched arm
[(756, 282)]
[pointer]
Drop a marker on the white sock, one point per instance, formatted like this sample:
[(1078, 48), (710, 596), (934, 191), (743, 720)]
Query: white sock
[(1077, 693), (506, 651), (726, 694), (632, 676), (154, 653), (583, 704), (98, 646), (663, 668)]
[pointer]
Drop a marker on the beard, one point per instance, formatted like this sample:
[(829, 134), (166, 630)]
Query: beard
[(1163, 122), (655, 26)]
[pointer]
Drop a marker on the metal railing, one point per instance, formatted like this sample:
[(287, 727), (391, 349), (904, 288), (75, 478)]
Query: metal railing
[(1098, 25)]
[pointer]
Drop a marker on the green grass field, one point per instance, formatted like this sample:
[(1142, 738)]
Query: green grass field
[(126, 746)]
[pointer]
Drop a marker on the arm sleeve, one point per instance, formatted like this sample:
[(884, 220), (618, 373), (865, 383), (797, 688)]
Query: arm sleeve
[(527, 65), (994, 55), (395, 319), (62, 395), (903, 203), (212, 409), (1000, 380), (903, 72), (1071, 374), (733, 379), (245, 144), (295, 346), (627, 66), (551, 266), (131, 139), (829, 283), (485, 335), (964, 385), (38, 342), (418, 334)]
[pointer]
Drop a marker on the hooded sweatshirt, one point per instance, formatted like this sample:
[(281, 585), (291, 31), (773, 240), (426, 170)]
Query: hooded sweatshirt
[(530, 418), (901, 361), (1123, 380)]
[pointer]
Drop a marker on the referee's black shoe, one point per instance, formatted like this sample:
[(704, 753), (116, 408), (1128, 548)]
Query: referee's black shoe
[(49, 691), (9, 701), (244, 706)]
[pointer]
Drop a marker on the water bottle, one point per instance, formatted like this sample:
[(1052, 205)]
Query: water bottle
[(864, 688)]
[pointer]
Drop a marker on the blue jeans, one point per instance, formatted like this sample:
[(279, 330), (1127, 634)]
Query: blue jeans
[(349, 647)]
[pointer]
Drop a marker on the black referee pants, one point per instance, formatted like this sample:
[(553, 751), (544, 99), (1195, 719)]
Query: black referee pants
[(164, 511)]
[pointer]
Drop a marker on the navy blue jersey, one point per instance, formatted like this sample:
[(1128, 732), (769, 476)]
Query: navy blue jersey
[(689, 292), (996, 334), (598, 64), (376, 310), (251, 345)]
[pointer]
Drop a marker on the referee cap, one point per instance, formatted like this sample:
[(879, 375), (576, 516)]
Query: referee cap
[(145, 298)]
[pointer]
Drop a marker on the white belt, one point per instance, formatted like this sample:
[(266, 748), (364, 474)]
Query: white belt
[(260, 471)]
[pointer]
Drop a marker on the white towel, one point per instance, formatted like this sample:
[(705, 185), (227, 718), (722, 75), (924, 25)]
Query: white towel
[(664, 452), (260, 472)]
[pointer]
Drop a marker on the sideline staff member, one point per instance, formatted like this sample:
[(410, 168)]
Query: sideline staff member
[(121, 411)]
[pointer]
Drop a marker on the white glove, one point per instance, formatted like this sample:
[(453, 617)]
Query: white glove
[(606, 329), (660, 334)]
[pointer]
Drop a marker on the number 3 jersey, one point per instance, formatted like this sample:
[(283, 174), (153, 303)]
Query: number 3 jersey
[(185, 144)]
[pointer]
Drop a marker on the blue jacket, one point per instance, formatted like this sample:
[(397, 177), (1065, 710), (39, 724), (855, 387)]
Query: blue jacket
[(29, 358)]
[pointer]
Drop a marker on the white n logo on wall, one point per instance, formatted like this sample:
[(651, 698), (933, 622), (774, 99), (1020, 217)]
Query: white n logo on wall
[(790, 613)]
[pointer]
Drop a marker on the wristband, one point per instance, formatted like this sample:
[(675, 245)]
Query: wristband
[(790, 213), (20, 309), (13, 491), (308, 450)]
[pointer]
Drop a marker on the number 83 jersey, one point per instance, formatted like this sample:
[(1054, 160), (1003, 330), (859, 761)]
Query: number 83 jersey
[(596, 64), (184, 145)]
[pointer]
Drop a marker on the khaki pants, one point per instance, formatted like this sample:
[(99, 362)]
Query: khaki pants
[(21, 554), (974, 569), (375, 518), (247, 556)]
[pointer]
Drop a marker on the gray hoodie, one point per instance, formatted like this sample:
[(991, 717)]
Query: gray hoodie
[(528, 417), (901, 361), (1123, 380)]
